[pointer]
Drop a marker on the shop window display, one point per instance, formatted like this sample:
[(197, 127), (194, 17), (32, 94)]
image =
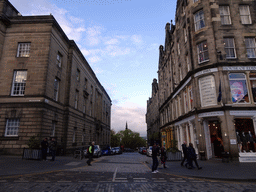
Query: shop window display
[(245, 135), (238, 88), (253, 85)]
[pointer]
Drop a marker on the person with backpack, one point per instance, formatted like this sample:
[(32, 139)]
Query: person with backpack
[(90, 152)]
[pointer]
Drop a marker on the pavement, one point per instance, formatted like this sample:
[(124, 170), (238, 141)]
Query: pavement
[(213, 169)]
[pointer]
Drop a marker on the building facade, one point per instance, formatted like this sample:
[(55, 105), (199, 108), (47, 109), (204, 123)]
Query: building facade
[(207, 77), (47, 86)]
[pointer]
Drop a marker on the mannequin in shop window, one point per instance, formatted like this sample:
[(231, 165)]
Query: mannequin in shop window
[(250, 141), (239, 145), (244, 142)]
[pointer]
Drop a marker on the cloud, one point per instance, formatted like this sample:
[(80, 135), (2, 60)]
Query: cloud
[(136, 39), (131, 113), (94, 35)]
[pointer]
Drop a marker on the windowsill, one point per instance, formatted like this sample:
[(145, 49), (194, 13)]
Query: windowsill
[(3, 138), (204, 62), (235, 58)]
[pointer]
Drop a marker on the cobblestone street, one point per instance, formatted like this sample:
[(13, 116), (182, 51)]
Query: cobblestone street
[(126, 172)]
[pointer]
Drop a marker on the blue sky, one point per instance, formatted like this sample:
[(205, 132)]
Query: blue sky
[(120, 39)]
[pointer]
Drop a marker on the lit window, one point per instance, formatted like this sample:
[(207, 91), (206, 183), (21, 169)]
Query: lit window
[(230, 48), (56, 89), (12, 127), (19, 83), (199, 20), (245, 14), (23, 50), (225, 15), (59, 60), (238, 88), (202, 51), (250, 47)]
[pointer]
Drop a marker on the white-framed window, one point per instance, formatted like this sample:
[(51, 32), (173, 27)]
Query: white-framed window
[(78, 75), (12, 127), (23, 49), (59, 59), (190, 95), (253, 85), (178, 45), (188, 63), (76, 99), (185, 34), (53, 129), (180, 74), (56, 89), (19, 83), (199, 20), (229, 45), (238, 88), (245, 14), (250, 47), (202, 51), (225, 15)]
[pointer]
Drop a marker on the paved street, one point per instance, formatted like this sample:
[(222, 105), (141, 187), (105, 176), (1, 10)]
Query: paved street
[(126, 172)]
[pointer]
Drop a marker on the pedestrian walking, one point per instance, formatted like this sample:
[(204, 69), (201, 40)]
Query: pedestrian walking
[(163, 156), (44, 147), (90, 153), (53, 148), (185, 152), (192, 157), (155, 152)]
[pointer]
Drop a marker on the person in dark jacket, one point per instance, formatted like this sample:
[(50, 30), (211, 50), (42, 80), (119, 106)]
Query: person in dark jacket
[(90, 153), (44, 147), (192, 157), (53, 148), (155, 152), (185, 153), (163, 156)]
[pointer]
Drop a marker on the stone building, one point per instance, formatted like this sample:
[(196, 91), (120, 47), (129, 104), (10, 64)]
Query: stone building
[(152, 116), (47, 86), (207, 77)]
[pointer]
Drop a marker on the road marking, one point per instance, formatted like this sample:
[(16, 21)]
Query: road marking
[(114, 176), (74, 163)]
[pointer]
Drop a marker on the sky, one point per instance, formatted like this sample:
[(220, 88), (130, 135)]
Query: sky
[(120, 39)]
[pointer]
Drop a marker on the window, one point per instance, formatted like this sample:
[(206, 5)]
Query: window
[(238, 88), (185, 101), (179, 105), (250, 47), (199, 20), (85, 83), (23, 50), (195, 1), (84, 106), (74, 135), (230, 48), (185, 35), (56, 89), (12, 127), (19, 83), (76, 99), (178, 45), (190, 94), (90, 109), (53, 129), (245, 14), (253, 85), (176, 107), (78, 75), (59, 60), (188, 64), (225, 15), (202, 51)]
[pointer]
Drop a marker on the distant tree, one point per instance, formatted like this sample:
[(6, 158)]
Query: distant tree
[(130, 139), (115, 139)]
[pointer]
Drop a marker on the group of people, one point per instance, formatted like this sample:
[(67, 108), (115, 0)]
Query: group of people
[(157, 151), (189, 154), (51, 145)]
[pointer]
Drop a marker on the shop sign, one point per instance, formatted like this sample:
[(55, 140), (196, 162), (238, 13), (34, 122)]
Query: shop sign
[(239, 68), (211, 114), (207, 91), (206, 71), (243, 113), (233, 142)]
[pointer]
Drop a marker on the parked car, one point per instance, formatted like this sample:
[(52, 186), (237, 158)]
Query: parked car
[(128, 150), (144, 151), (107, 151), (149, 151), (97, 151), (117, 150)]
